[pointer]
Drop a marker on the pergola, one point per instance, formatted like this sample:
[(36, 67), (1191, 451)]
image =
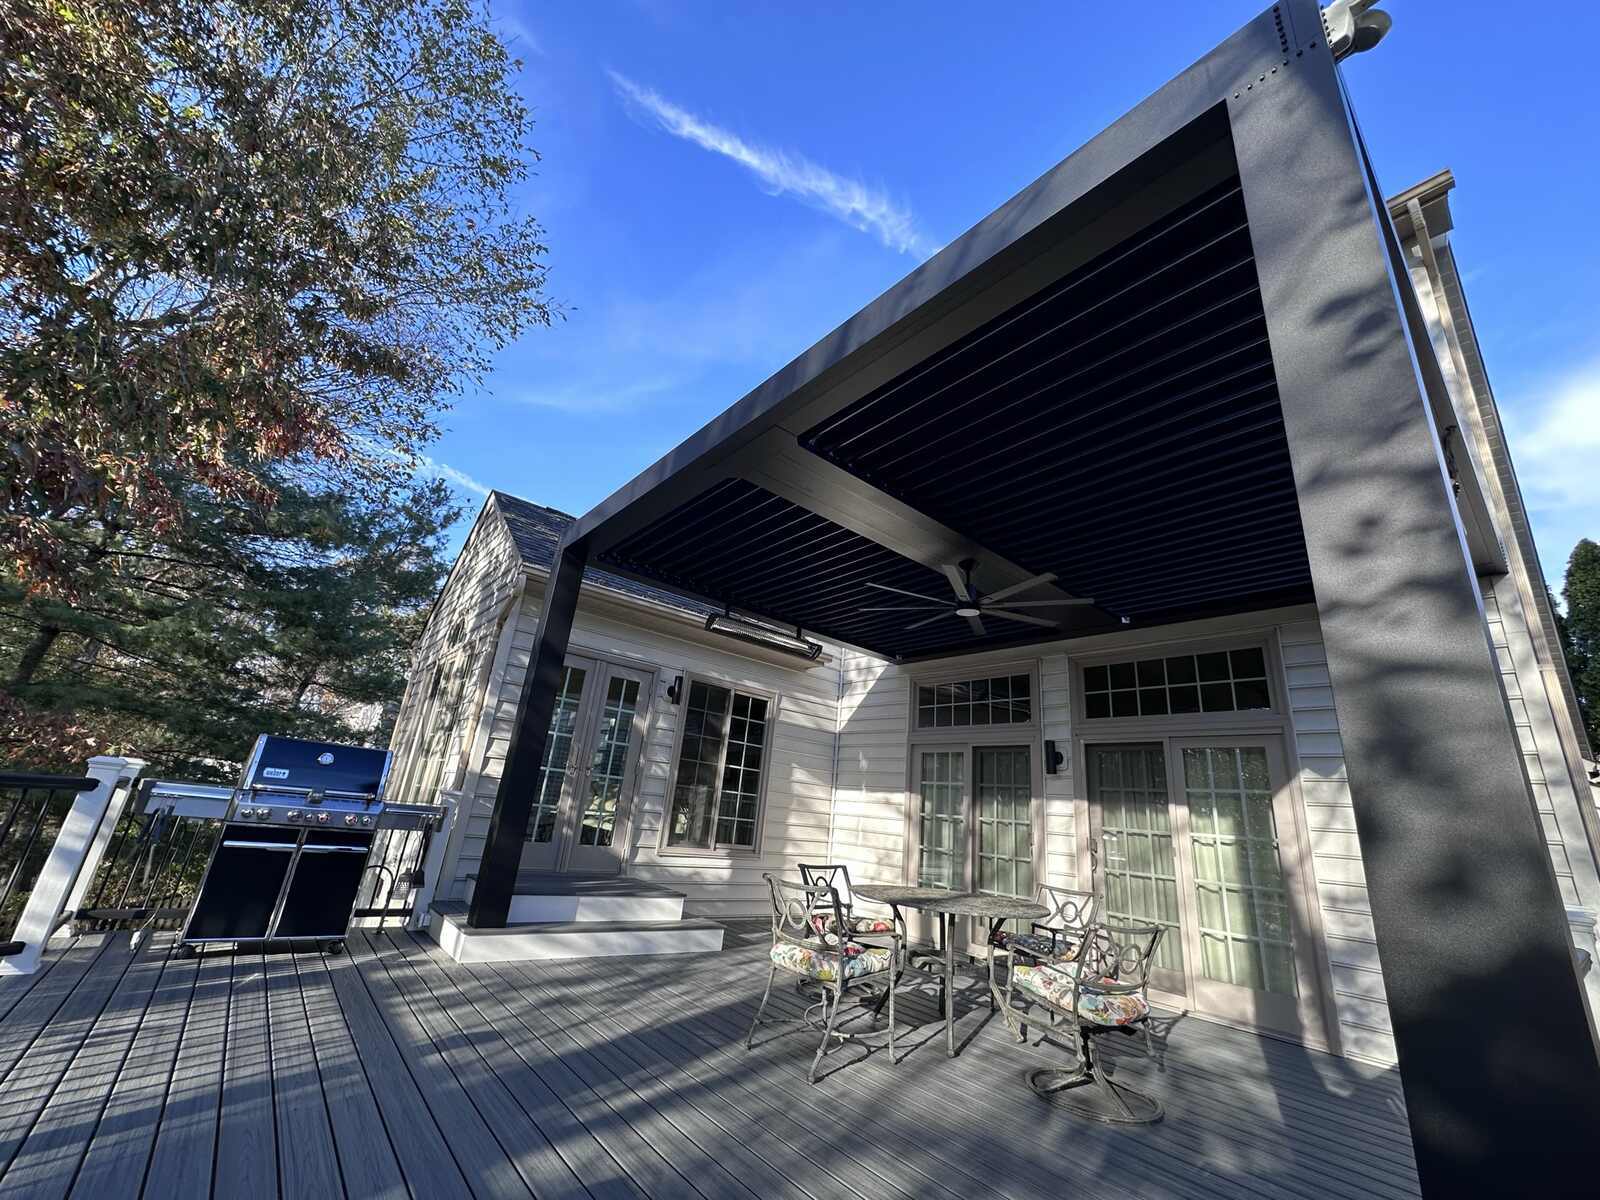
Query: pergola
[(1185, 373)]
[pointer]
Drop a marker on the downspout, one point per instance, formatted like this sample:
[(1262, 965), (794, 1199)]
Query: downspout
[(838, 732)]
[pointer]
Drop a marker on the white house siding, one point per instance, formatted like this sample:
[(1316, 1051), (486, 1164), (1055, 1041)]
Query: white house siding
[(433, 747), (1554, 796), (1359, 1005), (799, 768)]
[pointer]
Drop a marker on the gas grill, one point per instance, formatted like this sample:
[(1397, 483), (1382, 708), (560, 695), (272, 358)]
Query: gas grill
[(297, 835)]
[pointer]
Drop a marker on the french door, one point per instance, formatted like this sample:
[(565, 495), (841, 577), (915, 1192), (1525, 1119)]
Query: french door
[(973, 829), (1197, 835), (586, 781)]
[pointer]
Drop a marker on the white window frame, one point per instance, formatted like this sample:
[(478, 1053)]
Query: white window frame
[(717, 850), (1098, 729), (972, 738)]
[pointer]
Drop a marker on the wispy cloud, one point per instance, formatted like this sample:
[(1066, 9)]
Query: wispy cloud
[(430, 468), (599, 396), (868, 209), (1555, 441)]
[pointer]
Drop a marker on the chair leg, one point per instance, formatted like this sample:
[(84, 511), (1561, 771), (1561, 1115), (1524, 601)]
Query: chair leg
[(827, 1034), (760, 1008), (892, 1059), (1086, 1091)]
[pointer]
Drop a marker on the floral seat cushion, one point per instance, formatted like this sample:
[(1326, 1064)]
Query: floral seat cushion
[(1038, 945), (1053, 985), (858, 924), (823, 966)]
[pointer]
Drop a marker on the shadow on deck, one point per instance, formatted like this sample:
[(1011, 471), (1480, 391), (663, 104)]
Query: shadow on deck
[(393, 1071)]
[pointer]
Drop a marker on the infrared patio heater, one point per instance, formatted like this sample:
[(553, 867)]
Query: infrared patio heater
[(296, 845)]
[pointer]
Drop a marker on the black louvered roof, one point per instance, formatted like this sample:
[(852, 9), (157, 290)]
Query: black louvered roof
[(1120, 428)]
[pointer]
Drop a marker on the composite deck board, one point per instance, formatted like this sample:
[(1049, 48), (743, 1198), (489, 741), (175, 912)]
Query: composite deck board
[(247, 1138), (509, 1106), (114, 1166), (419, 1140), (793, 1146), (367, 1161), (36, 1008), (29, 1085), (308, 1165), (543, 1171), (717, 1168), (47, 1161), (650, 1078), (867, 1111), (183, 1162), (604, 1152), (491, 1170), (394, 1072), (888, 1151)]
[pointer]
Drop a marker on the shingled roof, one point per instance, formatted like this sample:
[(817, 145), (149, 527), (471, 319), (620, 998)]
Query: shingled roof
[(536, 530)]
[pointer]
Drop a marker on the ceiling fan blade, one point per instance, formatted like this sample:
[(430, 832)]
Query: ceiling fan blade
[(926, 621), (987, 603), (1036, 581), (884, 587), (1011, 616), (943, 608), (976, 625), (958, 581)]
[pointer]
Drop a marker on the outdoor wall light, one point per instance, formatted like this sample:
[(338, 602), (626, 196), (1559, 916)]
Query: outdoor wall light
[(675, 689), (1053, 758), (763, 635)]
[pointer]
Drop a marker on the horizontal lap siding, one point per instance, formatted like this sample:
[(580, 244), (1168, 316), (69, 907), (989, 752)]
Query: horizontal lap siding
[(481, 582), (799, 768), (1341, 891), (1554, 796), (869, 819)]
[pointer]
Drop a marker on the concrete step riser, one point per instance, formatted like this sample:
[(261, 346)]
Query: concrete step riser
[(526, 909)]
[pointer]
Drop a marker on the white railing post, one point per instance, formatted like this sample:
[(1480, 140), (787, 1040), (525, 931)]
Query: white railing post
[(1582, 922), (69, 859), (434, 863)]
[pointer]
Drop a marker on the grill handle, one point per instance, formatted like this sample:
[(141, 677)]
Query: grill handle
[(313, 849), (241, 845)]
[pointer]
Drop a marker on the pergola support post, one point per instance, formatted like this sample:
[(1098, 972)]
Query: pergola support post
[(519, 781), (1496, 1046)]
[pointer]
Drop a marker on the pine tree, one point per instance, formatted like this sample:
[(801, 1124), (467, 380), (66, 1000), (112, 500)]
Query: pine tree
[(1580, 631), (181, 649)]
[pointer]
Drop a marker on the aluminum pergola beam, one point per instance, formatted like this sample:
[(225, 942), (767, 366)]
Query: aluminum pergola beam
[(1497, 1052), (1496, 1046)]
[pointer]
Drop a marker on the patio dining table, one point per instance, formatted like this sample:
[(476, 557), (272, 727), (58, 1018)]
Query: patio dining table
[(948, 906)]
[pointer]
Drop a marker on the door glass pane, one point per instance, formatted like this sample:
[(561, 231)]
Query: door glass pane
[(1242, 900), (609, 763), (557, 753), (942, 823), (1137, 866), (1005, 820)]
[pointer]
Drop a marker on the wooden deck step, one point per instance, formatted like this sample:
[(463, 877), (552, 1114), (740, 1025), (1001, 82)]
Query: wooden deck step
[(537, 940)]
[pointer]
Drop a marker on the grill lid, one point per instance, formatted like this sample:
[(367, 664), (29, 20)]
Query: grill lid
[(292, 764)]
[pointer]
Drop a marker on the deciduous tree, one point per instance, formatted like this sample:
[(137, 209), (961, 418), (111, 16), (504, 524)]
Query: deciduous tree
[(236, 234)]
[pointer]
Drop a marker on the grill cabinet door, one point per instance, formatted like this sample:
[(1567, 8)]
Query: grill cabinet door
[(242, 885), (327, 877)]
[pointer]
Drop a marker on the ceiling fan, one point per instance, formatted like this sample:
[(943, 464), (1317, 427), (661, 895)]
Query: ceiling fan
[(973, 606)]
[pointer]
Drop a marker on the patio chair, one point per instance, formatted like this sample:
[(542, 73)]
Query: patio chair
[(804, 918), (1054, 939), (866, 927), (1104, 989)]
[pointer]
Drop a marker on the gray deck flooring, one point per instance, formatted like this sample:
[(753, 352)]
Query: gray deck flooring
[(394, 1072)]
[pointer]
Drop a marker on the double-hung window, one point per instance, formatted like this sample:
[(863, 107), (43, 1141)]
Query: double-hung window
[(716, 791)]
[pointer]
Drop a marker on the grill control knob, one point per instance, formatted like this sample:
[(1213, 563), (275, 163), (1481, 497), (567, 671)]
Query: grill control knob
[(349, 818), (263, 813), (294, 814), (323, 817), (366, 820)]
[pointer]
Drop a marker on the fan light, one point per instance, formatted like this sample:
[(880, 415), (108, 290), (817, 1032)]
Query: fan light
[(969, 611)]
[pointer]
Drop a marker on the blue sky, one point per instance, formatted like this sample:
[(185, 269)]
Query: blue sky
[(724, 184)]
